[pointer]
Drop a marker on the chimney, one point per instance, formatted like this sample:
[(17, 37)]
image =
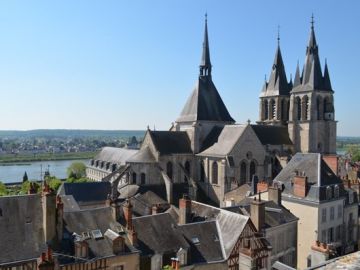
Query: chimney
[(275, 193), (184, 210), (254, 183), (155, 209), (300, 185), (59, 218), (128, 214), (81, 248), (175, 264), (262, 186), (257, 213), (48, 200), (133, 237), (115, 209), (46, 261)]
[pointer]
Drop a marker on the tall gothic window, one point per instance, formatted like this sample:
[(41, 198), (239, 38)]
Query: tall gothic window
[(298, 108), (283, 109), (169, 170), (319, 112), (143, 178), (243, 172), (214, 172), (202, 171), (133, 176), (266, 109), (305, 108), (273, 109), (252, 170)]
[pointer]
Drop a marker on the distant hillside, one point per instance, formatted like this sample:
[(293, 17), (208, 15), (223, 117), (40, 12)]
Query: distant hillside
[(70, 133)]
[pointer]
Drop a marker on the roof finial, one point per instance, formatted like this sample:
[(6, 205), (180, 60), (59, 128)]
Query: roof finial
[(206, 16), (278, 35), (312, 21)]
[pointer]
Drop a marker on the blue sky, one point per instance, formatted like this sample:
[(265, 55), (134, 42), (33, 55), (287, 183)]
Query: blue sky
[(129, 64)]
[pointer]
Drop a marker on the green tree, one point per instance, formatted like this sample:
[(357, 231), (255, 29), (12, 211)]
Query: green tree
[(25, 177), (354, 151), (26, 186), (76, 170), (3, 189)]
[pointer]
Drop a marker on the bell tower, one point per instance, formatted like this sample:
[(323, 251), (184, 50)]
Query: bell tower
[(312, 125)]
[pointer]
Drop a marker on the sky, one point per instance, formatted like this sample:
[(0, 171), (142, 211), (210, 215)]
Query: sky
[(129, 64)]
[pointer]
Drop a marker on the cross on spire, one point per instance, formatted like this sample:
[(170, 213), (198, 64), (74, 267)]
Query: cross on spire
[(278, 35), (312, 21)]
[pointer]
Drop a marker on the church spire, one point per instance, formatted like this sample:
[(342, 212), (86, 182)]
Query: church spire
[(278, 84), (297, 80), (312, 74), (327, 83), (205, 64)]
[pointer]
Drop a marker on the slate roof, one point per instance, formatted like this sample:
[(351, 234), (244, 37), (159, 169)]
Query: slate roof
[(144, 155), (93, 219), (229, 135), (317, 171), (205, 104), (158, 234), (212, 137), (171, 142), (350, 261), (312, 78), (239, 193), (278, 84), (273, 135), (86, 192), (21, 228), (209, 247), (115, 155), (143, 203), (275, 215)]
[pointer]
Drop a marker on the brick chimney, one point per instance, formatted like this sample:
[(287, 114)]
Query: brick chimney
[(46, 261), (81, 248), (48, 199), (274, 192), (128, 214), (262, 186), (257, 213), (59, 218), (117, 241), (184, 210), (300, 185), (175, 264)]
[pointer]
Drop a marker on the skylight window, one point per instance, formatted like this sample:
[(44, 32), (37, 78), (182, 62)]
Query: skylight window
[(96, 234), (195, 240)]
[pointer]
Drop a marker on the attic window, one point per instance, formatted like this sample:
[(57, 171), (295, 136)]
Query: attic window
[(337, 191), (328, 192), (96, 234), (86, 235), (195, 240)]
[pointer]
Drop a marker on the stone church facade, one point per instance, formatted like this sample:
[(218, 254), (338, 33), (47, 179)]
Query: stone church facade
[(211, 155)]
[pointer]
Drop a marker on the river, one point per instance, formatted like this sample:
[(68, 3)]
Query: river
[(14, 172)]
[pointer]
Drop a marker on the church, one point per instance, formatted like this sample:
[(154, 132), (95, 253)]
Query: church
[(209, 155)]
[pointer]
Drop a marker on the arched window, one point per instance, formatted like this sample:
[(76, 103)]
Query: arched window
[(283, 109), (252, 170), (133, 178), (305, 108), (187, 170), (337, 191), (97, 163), (266, 109), (107, 165), (214, 172), (202, 171), (92, 162), (328, 193), (243, 172), (328, 106), (298, 108), (142, 178), (273, 109), (113, 167), (319, 110), (169, 170)]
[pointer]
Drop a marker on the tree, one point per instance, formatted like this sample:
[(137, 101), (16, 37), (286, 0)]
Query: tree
[(354, 151), (3, 189), (54, 182), (25, 177), (26, 186), (76, 170)]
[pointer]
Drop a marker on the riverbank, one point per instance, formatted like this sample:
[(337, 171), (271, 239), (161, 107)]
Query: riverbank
[(23, 160)]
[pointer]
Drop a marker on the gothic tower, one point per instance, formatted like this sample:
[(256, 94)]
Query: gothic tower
[(275, 95), (204, 109), (312, 125)]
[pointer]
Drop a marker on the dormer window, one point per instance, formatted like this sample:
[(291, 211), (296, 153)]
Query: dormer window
[(328, 193), (337, 191)]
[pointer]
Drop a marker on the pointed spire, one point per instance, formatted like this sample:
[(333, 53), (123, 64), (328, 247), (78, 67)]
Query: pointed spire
[(297, 80), (312, 74), (327, 83), (278, 84), (205, 64)]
